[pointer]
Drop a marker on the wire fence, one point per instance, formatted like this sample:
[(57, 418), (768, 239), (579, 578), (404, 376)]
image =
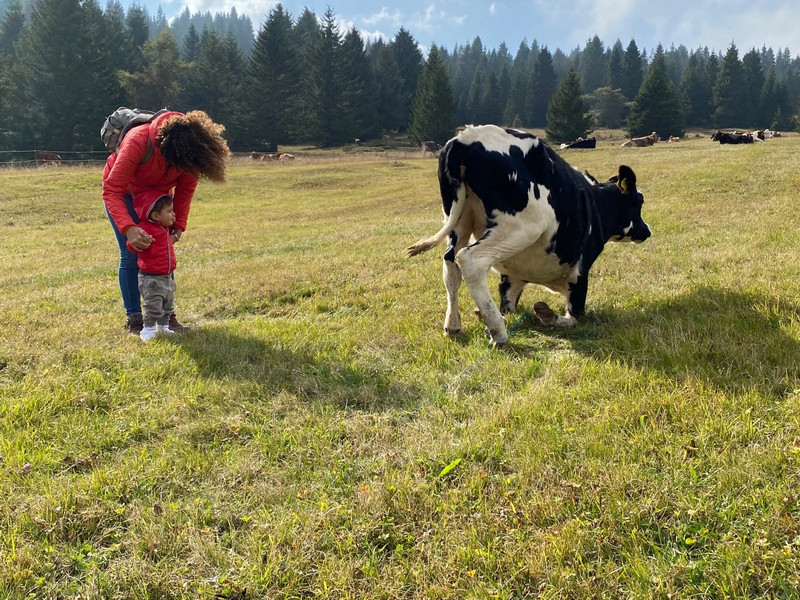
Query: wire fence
[(38, 158)]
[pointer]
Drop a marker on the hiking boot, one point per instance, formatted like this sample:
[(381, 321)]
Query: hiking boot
[(174, 326), (134, 324)]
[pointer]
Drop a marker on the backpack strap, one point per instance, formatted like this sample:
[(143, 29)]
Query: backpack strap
[(148, 152)]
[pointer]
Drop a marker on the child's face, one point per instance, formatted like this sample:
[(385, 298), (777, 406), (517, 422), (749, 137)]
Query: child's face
[(165, 216)]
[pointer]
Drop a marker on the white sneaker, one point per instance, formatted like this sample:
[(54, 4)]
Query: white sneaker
[(148, 333), (165, 329)]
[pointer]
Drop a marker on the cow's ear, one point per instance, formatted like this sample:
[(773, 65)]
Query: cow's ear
[(626, 180)]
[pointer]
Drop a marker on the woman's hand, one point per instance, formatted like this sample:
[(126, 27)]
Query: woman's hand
[(138, 238), (176, 234)]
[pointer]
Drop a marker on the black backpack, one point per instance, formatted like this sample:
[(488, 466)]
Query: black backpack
[(121, 121)]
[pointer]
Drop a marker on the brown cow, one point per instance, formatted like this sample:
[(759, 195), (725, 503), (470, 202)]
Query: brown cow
[(46, 158), (431, 147), (641, 142)]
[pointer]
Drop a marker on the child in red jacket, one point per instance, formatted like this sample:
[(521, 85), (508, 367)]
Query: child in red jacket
[(156, 263)]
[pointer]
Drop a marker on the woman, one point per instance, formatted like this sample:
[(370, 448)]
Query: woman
[(167, 155)]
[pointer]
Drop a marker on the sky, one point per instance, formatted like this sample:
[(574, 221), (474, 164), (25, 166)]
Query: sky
[(557, 24)]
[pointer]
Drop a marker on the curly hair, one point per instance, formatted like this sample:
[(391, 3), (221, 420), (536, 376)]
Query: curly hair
[(194, 144)]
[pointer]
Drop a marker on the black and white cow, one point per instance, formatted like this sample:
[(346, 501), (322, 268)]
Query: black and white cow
[(732, 138), (513, 204)]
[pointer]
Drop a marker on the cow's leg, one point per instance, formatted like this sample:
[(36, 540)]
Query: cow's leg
[(499, 243), (451, 274), (510, 289)]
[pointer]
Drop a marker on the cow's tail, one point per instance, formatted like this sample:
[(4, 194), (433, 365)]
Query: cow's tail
[(454, 195)]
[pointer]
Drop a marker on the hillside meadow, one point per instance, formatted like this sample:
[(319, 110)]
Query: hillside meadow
[(315, 436)]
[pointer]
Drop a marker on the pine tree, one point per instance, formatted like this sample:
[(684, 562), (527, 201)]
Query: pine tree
[(615, 75), (568, 115), (307, 35), (359, 100), (433, 115), (633, 71), (327, 82), (138, 22), (695, 92), (543, 85), (475, 97), (191, 45), (274, 84), (491, 106), (593, 65), (409, 62), (730, 100), (768, 101), (656, 107), (753, 77), (517, 93), (389, 104), (11, 27)]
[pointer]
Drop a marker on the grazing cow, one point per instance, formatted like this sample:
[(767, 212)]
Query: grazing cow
[(674, 138), (732, 138), (513, 204), (43, 158), (266, 156), (581, 143), (640, 142), (431, 147)]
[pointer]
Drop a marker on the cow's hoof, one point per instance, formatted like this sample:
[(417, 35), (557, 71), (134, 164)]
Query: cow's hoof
[(500, 343), (546, 314)]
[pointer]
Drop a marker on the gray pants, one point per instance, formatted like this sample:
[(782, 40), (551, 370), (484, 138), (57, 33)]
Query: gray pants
[(158, 298)]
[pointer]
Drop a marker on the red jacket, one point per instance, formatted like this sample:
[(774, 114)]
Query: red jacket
[(124, 175), (158, 257)]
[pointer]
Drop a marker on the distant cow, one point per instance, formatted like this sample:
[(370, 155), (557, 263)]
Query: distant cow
[(431, 147), (581, 143), (639, 142), (674, 138), (265, 156), (513, 204), (732, 138), (762, 134), (42, 157)]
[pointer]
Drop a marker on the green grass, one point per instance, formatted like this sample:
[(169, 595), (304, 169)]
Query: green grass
[(315, 435)]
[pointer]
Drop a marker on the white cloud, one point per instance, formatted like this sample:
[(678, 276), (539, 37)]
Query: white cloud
[(493, 8), (394, 17), (373, 36)]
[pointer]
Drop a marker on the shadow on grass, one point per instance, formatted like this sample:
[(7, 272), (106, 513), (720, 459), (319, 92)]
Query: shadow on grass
[(308, 374), (735, 341)]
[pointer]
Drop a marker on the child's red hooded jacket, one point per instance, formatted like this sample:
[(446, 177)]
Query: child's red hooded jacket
[(159, 257), (123, 174)]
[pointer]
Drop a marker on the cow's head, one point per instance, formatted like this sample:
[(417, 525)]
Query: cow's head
[(628, 225)]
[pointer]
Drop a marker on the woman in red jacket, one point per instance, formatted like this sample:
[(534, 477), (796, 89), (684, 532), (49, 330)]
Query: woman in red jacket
[(168, 156)]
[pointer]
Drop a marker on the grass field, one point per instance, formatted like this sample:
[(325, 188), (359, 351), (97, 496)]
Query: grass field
[(315, 435)]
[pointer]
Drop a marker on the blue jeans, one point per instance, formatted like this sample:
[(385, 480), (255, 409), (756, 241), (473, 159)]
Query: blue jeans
[(128, 269)]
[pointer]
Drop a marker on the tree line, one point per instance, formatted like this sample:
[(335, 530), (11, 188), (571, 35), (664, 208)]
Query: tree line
[(66, 64)]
